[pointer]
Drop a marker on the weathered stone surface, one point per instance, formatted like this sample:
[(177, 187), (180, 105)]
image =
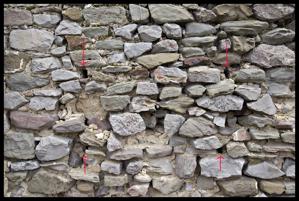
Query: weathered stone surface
[(117, 58), (133, 50), (127, 123), (120, 180), (207, 143), (52, 148), (246, 186), (66, 98), (105, 15), (166, 75), (64, 75), (165, 46), (46, 182), (289, 187), (110, 44), (278, 36), (32, 121), (161, 166), (172, 123), (73, 13), (138, 190), (96, 32), (15, 61), (203, 74), (40, 103), (134, 167), (149, 33), (58, 51), (230, 167), (173, 31), (272, 12), (281, 74), (156, 151), (226, 86), (197, 127), (24, 165), (264, 105), (93, 86), (192, 51), (121, 88), (255, 120), (46, 20), (263, 170), (112, 167), (17, 17), (229, 12), (268, 56), (254, 75), (288, 137), (24, 81), (19, 145), (92, 58), (233, 58), (152, 60), (185, 165), (147, 88), (196, 111), (272, 187), (14, 100), (195, 90), (222, 103), (78, 174), (167, 184), (115, 103), (170, 92), (264, 133), (116, 69), (241, 135), (126, 31), (127, 153), (249, 92), (142, 104), (253, 26), (199, 29), (242, 44), (179, 104), (6, 124), (72, 86), (67, 27), (165, 13), (73, 125), (138, 13), (204, 15), (275, 147), (279, 90), (236, 149)]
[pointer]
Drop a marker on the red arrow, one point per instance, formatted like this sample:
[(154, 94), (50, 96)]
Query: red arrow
[(226, 56), (83, 62), (84, 162), (220, 157)]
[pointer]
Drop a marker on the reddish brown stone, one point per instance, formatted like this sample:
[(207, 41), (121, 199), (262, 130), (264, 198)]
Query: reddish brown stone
[(193, 61), (32, 121), (75, 42), (139, 73), (281, 124)]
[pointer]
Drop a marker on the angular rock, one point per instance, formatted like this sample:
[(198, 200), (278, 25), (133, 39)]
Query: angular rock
[(105, 15), (197, 127), (254, 74), (185, 165), (67, 27), (288, 137), (110, 44), (207, 143), (66, 98), (66, 62), (281, 74), (112, 167), (272, 187), (192, 51), (117, 58), (272, 12), (15, 61), (255, 120), (253, 26), (149, 33), (126, 31), (195, 90), (44, 65), (73, 125), (17, 17), (204, 15), (166, 75), (289, 187), (170, 92), (275, 147), (263, 170), (46, 182), (203, 74), (220, 120), (133, 50), (246, 186), (142, 104), (93, 86), (179, 104), (92, 58), (156, 151), (199, 41), (78, 174), (165, 13), (115, 103), (40, 103), (241, 135), (73, 13), (226, 86), (167, 184), (120, 88), (199, 29), (172, 31), (24, 165), (161, 166), (58, 51), (127, 153), (233, 58), (52, 148), (152, 60), (279, 90), (165, 46), (229, 12), (147, 88), (31, 39), (264, 105), (236, 149), (126, 124), (278, 36), (72, 86), (138, 190), (13, 100), (138, 14), (19, 145), (249, 92), (96, 32), (172, 123), (27, 120), (46, 20), (268, 56), (242, 44), (120, 180), (196, 111), (134, 167), (230, 167), (222, 103), (116, 69)]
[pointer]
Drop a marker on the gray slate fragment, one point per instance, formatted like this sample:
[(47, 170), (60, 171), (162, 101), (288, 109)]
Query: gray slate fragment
[(93, 86), (249, 92), (14, 100), (142, 104), (207, 143), (46, 20), (264, 105), (126, 31), (172, 123), (222, 103), (74, 125), (24, 81), (147, 88), (112, 167), (121, 88), (115, 103), (167, 184), (138, 13), (185, 165), (44, 65), (172, 31), (199, 29), (149, 33), (133, 50), (264, 133), (72, 86), (113, 143), (263, 170), (127, 153), (197, 127), (67, 27), (39, 103), (24, 165), (64, 75), (203, 74)]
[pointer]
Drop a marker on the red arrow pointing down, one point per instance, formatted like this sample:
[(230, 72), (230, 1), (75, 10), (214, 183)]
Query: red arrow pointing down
[(220, 157), (84, 162)]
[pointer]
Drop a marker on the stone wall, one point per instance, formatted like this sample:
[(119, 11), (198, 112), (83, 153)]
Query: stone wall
[(150, 106)]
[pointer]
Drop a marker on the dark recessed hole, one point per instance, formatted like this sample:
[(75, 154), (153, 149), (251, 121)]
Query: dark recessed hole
[(235, 65), (84, 73), (220, 150)]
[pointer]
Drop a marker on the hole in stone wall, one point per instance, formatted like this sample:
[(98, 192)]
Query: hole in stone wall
[(84, 73), (220, 150)]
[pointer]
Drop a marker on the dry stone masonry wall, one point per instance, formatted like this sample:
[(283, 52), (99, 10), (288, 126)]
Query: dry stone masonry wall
[(151, 108)]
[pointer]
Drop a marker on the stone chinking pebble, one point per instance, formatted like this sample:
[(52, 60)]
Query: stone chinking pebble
[(134, 100)]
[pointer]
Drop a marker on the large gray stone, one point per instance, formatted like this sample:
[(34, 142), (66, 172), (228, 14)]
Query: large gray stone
[(165, 46), (19, 145), (149, 33), (226, 86), (48, 92), (199, 41), (24, 165), (243, 44), (228, 12), (166, 75), (207, 143), (278, 36), (127, 153), (170, 92), (249, 25), (64, 75), (17, 17), (115, 103), (44, 65), (111, 180), (73, 125), (264, 133), (46, 20), (179, 104), (92, 58), (263, 170), (116, 69), (110, 44), (243, 186), (172, 123), (126, 124), (172, 31), (268, 56), (96, 32), (105, 15), (272, 12), (255, 120), (282, 75), (142, 104), (67, 27), (236, 149), (52, 148), (14, 100), (138, 14), (72, 86), (134, 167), (163, 13), (138, 189), (195, 90), (147, 88), (161, 166), (121, 88), (222, 103), (199, 29), (133, 50), (249, 92), (264, 105), (93, 86), (39, 103), (167, 184), (157, 150), (233, 58), (126, 31), (203, 74), (113, 167), (254, 74), (197, 127), (230, 167), (78, 174), (279, 89), (24, 81), (185, 165), (192, 51), (152, 60)]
